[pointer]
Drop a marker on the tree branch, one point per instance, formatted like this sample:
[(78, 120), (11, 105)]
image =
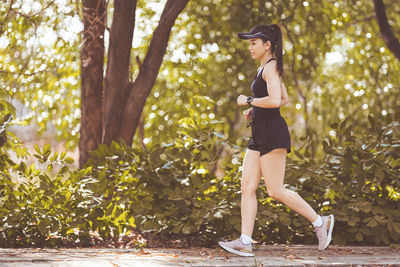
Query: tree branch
[(141, 87), (296, 81), (390, 40)]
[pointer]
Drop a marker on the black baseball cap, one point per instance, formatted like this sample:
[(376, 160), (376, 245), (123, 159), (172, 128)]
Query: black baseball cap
[(259, 31)]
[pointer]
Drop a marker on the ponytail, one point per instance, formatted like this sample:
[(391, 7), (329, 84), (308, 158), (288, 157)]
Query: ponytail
[(278, 50)]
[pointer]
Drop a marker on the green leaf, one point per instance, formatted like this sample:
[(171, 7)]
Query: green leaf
[(334, 125), (46, 148), (43, 226), (187, 229), (37, 149), (372, 223), (359, 236), (69, 160), (371, 120), (23, 167), (396, 227), (177, 228)]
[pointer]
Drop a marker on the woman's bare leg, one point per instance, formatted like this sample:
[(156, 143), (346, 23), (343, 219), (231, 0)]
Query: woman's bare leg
[(273, 171), (251, 176)]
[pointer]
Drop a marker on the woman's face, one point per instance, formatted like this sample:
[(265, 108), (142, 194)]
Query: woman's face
[(258, 48)]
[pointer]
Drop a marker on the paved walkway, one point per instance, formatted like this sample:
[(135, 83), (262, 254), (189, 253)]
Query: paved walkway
[(276, 255)]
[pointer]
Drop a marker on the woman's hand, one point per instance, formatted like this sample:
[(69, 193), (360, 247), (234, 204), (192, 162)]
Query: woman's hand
[(247, 114), (242, 100)]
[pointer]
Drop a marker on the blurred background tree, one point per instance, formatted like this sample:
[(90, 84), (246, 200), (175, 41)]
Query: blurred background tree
[(336, 62)]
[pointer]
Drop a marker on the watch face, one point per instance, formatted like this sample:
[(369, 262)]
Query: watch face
[(249, 99)]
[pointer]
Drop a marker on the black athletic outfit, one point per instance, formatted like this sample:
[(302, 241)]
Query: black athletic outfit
[(268, 128)]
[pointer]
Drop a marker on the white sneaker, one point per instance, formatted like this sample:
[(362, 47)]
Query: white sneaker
[(237, 247), (324, 233)]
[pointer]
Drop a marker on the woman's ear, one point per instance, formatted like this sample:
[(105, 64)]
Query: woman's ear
[(267, 45)]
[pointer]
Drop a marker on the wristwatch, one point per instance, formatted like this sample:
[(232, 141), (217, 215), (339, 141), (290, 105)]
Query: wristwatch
[(249, 99)]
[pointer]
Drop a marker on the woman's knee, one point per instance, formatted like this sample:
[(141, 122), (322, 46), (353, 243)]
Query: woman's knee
[(248, 186), (276, 194)]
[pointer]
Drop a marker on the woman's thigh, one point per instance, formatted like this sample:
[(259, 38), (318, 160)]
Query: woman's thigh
[(273, 168), (251, 171)]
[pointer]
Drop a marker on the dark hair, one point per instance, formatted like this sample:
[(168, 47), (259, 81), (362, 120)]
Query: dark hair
[(275, 37)]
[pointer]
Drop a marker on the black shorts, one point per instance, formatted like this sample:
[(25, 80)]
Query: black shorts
[(269, 134)]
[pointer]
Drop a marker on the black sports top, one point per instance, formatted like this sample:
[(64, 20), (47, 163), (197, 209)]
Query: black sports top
[(259, 89)]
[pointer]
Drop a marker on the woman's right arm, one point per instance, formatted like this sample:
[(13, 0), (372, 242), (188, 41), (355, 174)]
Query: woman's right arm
[(284, 95)]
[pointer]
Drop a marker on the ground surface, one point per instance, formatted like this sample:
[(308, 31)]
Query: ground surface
[(274, 255)]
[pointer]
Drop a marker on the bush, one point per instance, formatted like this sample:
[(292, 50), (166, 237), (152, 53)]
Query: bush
[(46, 211), (364, 191), (169, 190)]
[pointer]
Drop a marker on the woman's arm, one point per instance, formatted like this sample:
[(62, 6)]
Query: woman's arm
[(284, 98), (277, 94)]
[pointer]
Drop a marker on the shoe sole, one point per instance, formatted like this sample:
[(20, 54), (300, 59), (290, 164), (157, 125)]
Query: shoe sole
[(329, 238), (237, 252)]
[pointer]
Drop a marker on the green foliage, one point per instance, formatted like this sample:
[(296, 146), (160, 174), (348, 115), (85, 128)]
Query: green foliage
[(45, 209), (190, 116), (3, 133), (39, 65), (172, 189), (365, 187), (169, 188), (42, 72)]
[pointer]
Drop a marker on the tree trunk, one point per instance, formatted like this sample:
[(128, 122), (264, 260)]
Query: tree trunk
[(117, 75), (113, 112), (92, 58), (139, 90), (391, 41)]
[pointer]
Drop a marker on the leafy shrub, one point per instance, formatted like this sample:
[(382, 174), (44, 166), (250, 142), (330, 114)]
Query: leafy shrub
[(365, 183), (53, 205), (169, 189), (41, 206), (177, 195)]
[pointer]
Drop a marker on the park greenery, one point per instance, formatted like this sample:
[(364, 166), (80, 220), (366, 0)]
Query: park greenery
[(181, 175)]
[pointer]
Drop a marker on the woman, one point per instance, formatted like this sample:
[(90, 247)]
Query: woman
[(270, 142)]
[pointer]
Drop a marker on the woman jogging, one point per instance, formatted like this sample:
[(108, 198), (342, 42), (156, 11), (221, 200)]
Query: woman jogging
[(270, 142)]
